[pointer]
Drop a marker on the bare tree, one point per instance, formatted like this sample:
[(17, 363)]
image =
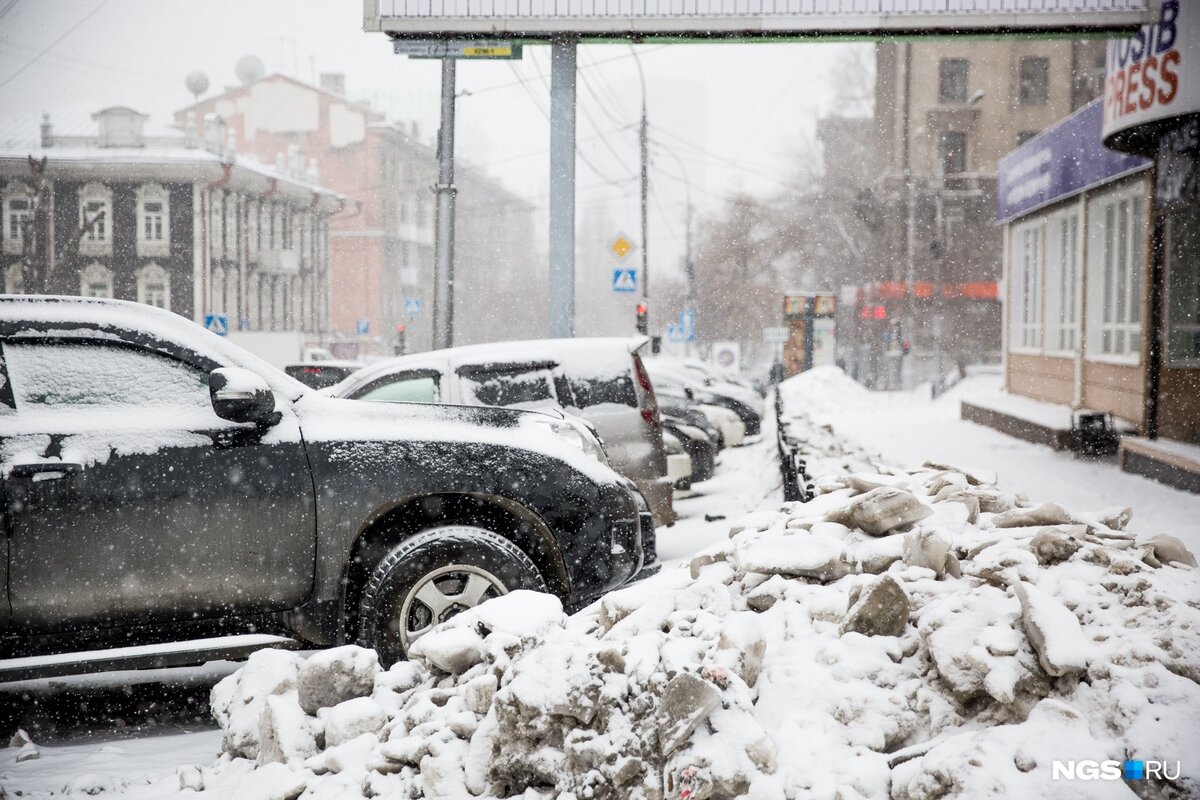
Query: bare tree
[(37, 252)]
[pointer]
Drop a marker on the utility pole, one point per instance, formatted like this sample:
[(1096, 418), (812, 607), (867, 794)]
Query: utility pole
[(562, 188), (689, 271), (910, 236), (643, 137), (443, 291)]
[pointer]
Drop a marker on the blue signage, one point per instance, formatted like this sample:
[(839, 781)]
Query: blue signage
[(674, 333), (1063, 160), (362, 327), (687, 323), (217, 323), (624, 280), (412, 306)]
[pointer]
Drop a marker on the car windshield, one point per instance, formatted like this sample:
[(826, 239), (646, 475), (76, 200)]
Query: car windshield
[(509, 387)]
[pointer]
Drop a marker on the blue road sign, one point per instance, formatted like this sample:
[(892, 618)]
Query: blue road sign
[(412, 306), (687, 322), (362, 327), (674, 333), (217, 323), (625, 280)]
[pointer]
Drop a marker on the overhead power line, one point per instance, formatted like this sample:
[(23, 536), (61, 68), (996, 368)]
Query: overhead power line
[(52, 45)]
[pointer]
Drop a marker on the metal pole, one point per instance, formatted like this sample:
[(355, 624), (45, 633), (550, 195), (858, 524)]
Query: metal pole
[(443, 292), (911, 225), (644, 138), (938, 322), (562, 188)]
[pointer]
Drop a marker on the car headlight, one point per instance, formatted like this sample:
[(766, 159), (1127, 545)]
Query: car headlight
[(578, 436)]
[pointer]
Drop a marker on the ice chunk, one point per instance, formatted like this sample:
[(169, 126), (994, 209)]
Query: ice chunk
[(353, 718), (881, 609), (336, 675), (686, 701), (796, 554), (1053, 631), (454, 650)]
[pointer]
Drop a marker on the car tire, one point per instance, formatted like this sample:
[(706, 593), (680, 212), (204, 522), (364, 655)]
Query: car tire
[(432, 576)]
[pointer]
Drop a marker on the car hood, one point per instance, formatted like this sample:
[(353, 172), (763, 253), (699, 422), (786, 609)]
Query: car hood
[(326, 419)]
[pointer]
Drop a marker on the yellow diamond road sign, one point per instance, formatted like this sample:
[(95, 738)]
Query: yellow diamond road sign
[(621, 247)]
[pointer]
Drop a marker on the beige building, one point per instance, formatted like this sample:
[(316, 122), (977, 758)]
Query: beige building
[(945, 112)]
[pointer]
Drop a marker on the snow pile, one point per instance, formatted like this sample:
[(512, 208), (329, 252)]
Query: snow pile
[(912, 634)]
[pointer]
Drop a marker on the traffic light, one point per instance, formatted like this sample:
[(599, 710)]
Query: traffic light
[(401, 329), (643, 318)]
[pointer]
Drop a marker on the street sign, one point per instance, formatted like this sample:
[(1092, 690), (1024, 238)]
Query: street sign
[(621, 247), (687, 324), (217, 323), (412, 306), (727, 355), (470, 49), (624, 280), (775, 335), (675, 333), (362, 327)]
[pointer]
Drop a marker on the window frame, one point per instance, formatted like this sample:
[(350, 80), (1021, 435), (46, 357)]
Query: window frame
[(1026, 96), (153, 246), (1026, 319), (947, 78), (396, 377), (944, 138), (97, 238), (1099, 234), (1169, 360), (14, 271), (1062, 286), (14, 237), (97, 271), (145, 274)]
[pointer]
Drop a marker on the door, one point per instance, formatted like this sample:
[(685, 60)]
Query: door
[(128, 499)]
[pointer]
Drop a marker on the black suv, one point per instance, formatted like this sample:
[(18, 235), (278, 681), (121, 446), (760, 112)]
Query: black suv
[(162, 483)]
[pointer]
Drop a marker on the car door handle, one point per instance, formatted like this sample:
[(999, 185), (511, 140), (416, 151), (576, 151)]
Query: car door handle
[(45, 470)]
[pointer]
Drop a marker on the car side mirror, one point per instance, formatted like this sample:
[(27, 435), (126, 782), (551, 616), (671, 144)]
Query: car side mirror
[(240, 395)]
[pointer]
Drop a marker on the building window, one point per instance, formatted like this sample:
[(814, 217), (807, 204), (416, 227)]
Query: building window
[(1115, 257), (952, 152), (18, 210), (14, 279), (231, 227), (1183, 287), (153, 223), (95, 280), (95, 217), (952, 80), (1025, 293), (154, 286), (1062, 282), (1035, 79), (1025, 136)]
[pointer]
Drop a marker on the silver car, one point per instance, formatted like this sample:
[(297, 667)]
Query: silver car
[(601, 380)]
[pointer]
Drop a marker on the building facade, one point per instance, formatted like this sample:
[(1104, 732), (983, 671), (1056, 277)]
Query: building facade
[(945, 113), (180, 222), (382, 256)]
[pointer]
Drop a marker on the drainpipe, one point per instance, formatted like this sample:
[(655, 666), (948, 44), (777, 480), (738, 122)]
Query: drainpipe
[(205, 203)]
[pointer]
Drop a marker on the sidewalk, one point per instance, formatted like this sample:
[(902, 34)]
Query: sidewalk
[(908, 428)]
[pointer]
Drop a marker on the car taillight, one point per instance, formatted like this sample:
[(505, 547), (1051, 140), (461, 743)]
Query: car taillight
[(312, 370), (649, 407)]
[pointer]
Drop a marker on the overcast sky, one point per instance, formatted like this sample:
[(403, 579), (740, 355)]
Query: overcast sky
[(734, 116)]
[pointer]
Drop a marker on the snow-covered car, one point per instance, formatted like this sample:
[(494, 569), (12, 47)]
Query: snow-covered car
[(163, 484), (322, 374), (746, 403), (679, 463), (600, 380)]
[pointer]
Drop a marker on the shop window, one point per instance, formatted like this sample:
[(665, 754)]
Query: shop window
[(1034, 81), (95, 216), (95, 280), (1115, 257), (1062, 282), (153, 223), (154, 286), (1025, 292), (1183, 288), (18, 209), (952, 80)]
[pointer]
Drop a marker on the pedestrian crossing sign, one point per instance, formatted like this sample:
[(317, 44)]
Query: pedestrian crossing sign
[(624, 280), (217, 323)]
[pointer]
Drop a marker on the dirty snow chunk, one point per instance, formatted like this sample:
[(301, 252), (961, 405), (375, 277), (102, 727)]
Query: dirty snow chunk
[(741, 648), (190, 777), (285, 733), (1053, 631), (89, 783), (521, 613), (453, 650), (881, 609), (271, 782), (336, 675), (881, 511), (478, 693), (686, 702), (926, 548), (1045, 514), (778, 553), (1170, 548), (1054, 545), (353, 718), (237, 701)]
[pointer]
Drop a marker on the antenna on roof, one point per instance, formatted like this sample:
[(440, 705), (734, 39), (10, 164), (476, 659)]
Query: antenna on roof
[(197, 83), (250, 69)]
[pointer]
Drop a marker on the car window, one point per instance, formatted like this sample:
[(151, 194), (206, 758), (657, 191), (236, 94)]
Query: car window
[(588, 391), (72, 375), (509, 388), (405, 389)]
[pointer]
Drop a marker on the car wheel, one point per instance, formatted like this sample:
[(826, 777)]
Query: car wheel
[(430, 577)]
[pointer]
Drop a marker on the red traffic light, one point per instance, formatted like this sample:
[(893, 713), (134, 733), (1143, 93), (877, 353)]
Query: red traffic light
[(401, 327), (880, 312), (641, 308)]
